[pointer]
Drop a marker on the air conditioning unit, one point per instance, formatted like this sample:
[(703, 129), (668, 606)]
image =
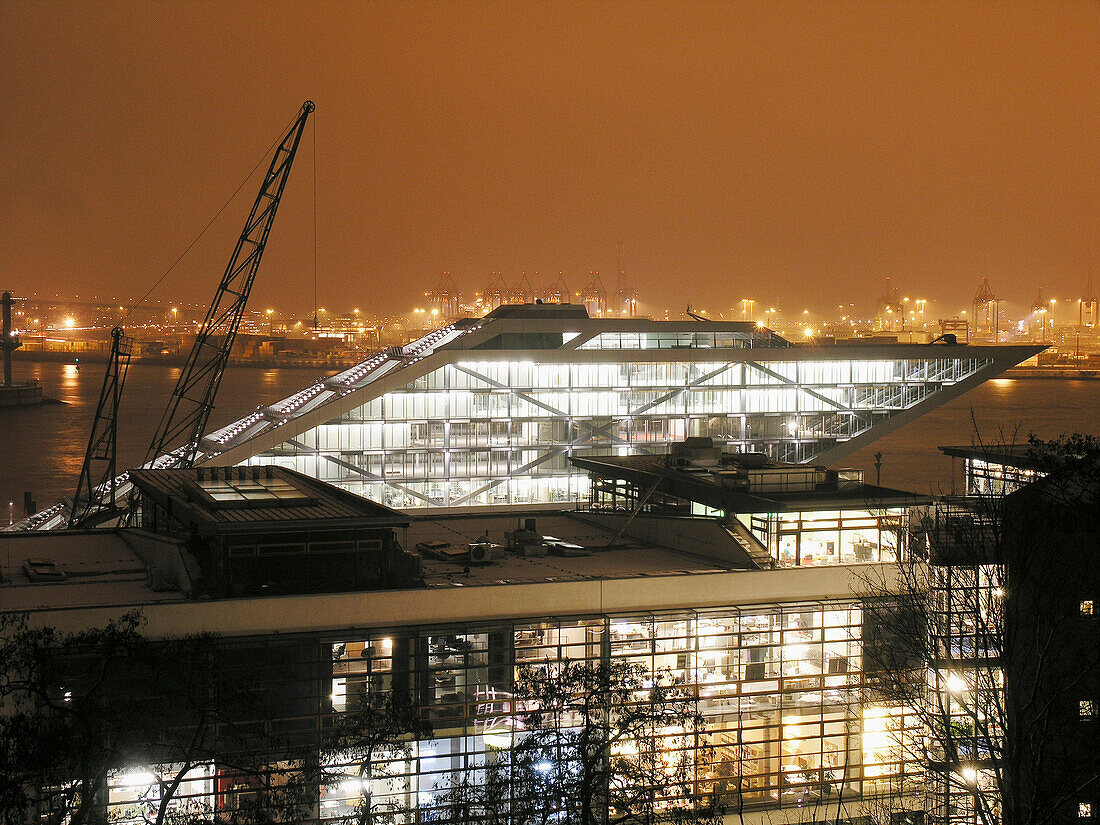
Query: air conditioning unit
[(482, 552)]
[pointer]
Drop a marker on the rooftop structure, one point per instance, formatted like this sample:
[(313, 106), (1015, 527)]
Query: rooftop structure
[(994, 469), (783, 515)]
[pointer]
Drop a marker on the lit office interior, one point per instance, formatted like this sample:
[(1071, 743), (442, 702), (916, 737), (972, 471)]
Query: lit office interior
[(815, 538), (780, 688), (501, 432)]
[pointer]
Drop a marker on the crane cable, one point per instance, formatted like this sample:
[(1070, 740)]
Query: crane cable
[(225, 205)]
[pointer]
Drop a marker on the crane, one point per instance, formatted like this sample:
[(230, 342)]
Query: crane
[(177, 439), (95, 500)]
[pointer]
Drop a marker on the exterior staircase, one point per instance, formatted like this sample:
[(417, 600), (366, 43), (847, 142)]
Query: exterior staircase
[(750, 544)]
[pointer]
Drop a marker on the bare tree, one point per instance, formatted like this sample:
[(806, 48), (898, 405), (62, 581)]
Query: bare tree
[(596, 743), (369, 743), (80, 710), (976, 634)]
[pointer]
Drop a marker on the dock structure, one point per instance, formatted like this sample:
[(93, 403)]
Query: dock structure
[(12, 394)]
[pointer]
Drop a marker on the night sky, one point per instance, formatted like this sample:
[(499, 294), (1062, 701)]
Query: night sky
[(797, 153)]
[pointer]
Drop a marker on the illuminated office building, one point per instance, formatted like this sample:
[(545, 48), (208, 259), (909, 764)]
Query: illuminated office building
[(285, 570), (489, 411)]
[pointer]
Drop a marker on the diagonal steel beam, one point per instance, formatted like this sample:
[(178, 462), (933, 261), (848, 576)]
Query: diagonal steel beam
[(784, 380), (668, 396), (542, 459), (359, 470)]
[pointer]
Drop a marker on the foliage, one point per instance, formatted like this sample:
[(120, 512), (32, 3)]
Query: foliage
[(58, 723), (78, 709)]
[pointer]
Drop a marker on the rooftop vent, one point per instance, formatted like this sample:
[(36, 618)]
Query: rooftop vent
[(43, 570)]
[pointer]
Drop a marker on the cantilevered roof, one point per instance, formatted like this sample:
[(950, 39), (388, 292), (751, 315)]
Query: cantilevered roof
[(654, 472), (462, 341), (1020, 456)]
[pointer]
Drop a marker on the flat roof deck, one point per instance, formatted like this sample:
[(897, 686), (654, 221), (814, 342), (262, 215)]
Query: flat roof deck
[(101, 568), (630, 558)]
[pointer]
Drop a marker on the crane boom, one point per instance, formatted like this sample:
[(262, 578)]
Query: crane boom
[(95, 501), (192, 401)]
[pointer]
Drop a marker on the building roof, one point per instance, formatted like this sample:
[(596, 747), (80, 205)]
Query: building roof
[(110, 570), (711, 489), (93, 568), (1020, 456), (254, 498), (628, 559)]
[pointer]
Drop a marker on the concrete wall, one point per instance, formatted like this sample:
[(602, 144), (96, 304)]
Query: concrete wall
[(449, 604)]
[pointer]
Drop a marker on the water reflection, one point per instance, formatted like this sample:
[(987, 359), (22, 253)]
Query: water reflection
[(1002, 387), (70, 383)]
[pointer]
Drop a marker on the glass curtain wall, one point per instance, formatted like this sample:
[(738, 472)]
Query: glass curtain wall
[(966, 687), (816, 538), (780, 688), (501, 432)]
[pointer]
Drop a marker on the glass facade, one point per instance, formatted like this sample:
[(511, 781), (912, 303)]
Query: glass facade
[(990, 478), (966, 686), (484, 432), (780, 688), (816, 538)]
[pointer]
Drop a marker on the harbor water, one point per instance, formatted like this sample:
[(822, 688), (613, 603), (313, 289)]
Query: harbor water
[(43, 447)]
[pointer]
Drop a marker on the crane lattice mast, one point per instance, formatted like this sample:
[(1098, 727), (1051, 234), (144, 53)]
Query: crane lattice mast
[(184, 422), (95, 499)]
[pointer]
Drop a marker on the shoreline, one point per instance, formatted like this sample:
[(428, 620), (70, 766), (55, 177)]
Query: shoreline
[(96, 359), (1065, 373), (337, 364)]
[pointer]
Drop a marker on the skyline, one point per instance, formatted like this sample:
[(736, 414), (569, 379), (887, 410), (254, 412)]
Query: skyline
[(772, 149)]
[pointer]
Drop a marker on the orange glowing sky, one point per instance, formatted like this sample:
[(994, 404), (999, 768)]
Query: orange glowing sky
[(795, 152)]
